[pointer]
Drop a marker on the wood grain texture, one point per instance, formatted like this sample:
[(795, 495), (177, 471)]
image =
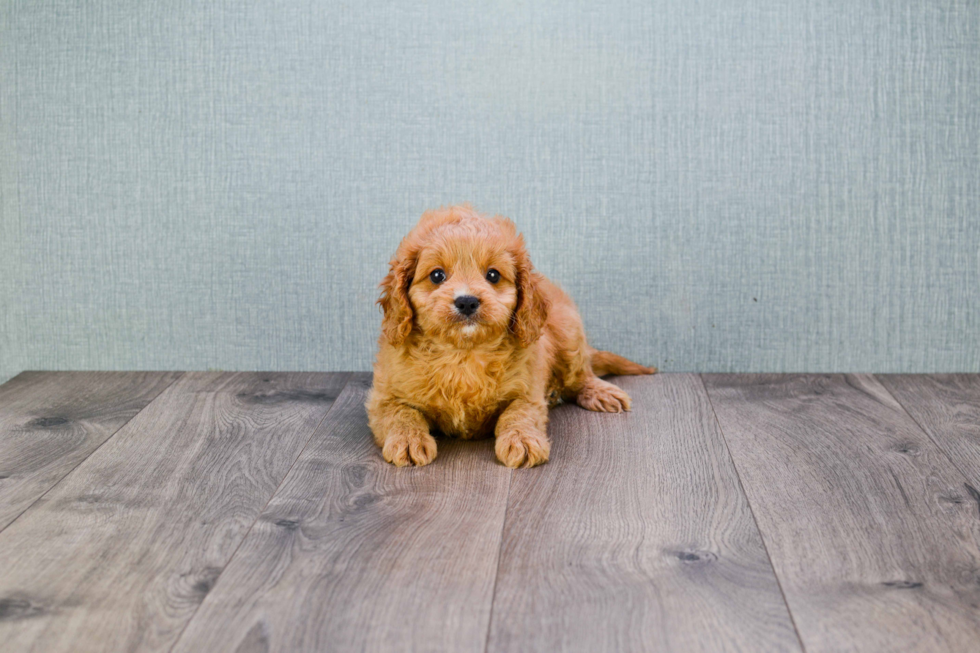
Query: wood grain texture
[(947, 407), (636, 536), (353, 554), (121, 553), (51, 421), (862, 514)]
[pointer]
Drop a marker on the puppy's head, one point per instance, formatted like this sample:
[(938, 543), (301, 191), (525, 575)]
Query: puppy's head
[(462, 278)]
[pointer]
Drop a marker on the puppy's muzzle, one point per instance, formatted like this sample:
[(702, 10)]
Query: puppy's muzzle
[(467, 304)]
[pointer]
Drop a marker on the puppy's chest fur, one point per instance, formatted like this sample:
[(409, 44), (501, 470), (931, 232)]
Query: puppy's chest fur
[(463, 391)]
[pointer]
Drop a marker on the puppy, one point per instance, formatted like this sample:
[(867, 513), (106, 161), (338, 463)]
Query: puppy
[(474, 342)]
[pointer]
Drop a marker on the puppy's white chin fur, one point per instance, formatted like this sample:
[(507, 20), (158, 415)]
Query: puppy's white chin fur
[(469, 329)]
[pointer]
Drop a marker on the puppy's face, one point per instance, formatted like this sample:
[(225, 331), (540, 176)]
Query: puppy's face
[(461, 278), (465, 285)]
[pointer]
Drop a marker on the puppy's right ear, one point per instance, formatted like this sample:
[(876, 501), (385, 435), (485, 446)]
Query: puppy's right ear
[(399, 317)]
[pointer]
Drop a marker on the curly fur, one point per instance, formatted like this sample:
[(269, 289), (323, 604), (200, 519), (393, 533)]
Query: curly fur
[(495, 373)]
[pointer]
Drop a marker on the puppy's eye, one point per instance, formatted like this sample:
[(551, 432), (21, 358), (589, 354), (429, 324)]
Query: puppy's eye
[(493, 276), (437, 276)]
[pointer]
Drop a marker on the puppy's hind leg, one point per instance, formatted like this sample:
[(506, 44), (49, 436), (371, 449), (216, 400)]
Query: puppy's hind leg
[(602, 397)]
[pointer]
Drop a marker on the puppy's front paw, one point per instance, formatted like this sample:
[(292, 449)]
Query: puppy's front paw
[(402, 450), (603, 397), (522, 448)]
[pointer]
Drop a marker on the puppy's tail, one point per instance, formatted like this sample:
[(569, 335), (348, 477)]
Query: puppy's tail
[(606, 362)]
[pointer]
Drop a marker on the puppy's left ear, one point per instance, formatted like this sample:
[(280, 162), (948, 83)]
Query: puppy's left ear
[(399, 317), (532, 305)]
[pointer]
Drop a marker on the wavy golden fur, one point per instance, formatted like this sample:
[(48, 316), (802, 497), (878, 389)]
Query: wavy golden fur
[(495, 371)]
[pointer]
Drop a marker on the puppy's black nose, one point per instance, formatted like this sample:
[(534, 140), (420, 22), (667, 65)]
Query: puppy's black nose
[(467, 304)]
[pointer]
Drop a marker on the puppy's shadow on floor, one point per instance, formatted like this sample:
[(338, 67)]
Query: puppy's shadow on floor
[(464, 451), (481, 451)]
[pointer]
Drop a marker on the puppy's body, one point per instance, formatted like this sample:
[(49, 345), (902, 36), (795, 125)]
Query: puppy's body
[(462, 390), (492, 372)]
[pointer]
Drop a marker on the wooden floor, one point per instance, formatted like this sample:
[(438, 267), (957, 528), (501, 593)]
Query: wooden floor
[(252, 512)]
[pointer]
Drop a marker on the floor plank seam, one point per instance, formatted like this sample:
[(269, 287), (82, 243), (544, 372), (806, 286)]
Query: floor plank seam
[(260, 512), (91, 453), (966, 476), (500, 550), (748, 502)]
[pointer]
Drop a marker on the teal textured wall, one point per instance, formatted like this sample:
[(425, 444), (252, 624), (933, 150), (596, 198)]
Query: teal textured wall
[(723, 186)]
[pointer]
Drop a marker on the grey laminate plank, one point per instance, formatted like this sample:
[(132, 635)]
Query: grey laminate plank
[(119, 555), (636, 536), (51, 421), (353, 554), (856, 506), (947, 407)]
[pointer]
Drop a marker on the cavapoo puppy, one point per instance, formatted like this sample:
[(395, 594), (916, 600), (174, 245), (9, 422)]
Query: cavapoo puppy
[(474, 342)]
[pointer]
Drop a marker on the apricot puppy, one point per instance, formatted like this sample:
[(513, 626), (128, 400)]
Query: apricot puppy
[(474, 342)]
